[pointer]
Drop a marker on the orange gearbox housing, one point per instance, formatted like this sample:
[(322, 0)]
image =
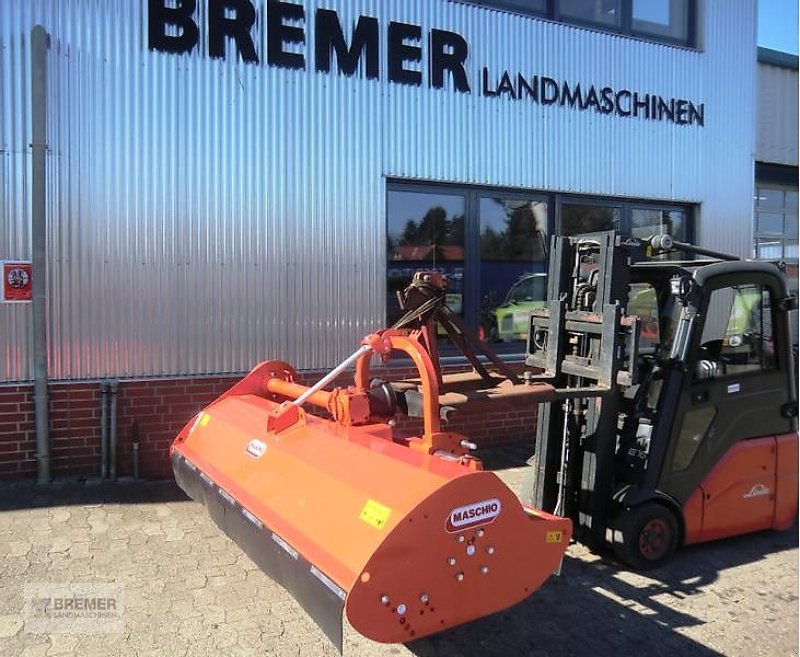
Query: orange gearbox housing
[(404, 537)]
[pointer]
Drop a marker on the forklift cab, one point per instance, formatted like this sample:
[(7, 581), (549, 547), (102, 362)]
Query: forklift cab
[(731, 457)]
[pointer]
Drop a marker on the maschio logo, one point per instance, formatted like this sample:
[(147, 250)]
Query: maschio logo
[(473, 515), (256, 448)]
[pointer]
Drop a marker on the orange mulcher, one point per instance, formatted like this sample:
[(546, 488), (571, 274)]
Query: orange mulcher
[(406, 534)]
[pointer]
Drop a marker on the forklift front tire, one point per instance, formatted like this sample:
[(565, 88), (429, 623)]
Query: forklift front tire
[(646, 536)]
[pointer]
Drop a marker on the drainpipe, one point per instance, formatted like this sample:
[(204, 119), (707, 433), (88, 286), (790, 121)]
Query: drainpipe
[(103, 430), (112, 421), (135, 446), (40, 42)]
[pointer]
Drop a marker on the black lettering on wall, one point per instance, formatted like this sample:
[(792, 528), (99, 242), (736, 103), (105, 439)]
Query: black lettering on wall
[(607, 102), (623, 111), (279, 34), (526, 88), (697, 113), (641, 102), (665, 110), (159, 16), (682, 112), (486, 90), (221, 27), (506, 87), (549, 84), (591, 99), (400, 53), (572, 96), (449, 52), (330, 38)]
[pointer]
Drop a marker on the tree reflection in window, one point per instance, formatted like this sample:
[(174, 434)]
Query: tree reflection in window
[(425, 231)]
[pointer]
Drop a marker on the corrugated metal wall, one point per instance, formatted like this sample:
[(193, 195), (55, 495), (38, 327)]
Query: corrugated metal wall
[(206, 214), (776, 127)]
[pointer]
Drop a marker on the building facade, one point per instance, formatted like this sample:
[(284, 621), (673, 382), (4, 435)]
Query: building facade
[(230, 181)]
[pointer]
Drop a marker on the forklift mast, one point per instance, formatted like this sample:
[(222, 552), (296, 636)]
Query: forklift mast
[(602, 444)]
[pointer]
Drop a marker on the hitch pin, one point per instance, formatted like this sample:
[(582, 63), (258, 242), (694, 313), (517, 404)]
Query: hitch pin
[(468, 444)]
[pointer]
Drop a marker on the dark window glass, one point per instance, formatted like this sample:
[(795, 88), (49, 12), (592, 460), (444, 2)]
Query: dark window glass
[(664, 18), (737, 334), (604, 12), (695, 426), (577, 219), (536, 6), (775, 223), (513, 242), (643, 302), (425, 231), (769, 222), (769, 198), (769, 248), (658, 20), (791, 225), (646, 222)]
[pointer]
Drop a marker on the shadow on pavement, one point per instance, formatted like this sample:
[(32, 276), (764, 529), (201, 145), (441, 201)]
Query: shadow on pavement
[(29, 495), (607, 614)]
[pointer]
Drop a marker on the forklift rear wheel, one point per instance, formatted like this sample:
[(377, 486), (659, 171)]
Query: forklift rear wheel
[(649, 536)]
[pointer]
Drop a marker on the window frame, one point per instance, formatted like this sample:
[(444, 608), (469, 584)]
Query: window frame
[(784, 210), (552, 12), (473, 194), (753, 369)]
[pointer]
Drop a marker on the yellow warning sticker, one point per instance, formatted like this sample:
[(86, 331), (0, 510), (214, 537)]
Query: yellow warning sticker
[(554, 537), (205, 418), (375, 514)]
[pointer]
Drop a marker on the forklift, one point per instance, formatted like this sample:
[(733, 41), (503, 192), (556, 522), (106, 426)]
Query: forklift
[(677, 424)]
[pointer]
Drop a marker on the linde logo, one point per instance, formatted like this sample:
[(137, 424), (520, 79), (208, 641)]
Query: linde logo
[(413, 57), (473, 515)]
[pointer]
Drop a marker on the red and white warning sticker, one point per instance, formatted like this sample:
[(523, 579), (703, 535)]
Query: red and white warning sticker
[(473, 515)]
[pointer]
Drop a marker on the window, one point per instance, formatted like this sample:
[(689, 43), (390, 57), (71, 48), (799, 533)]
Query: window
[(737, 334), (696, 424), (604, 12), (493, 245), (646, 222), (776, 223), (643, 302), (580, 218), (425, 231), (670, 21), (513, 244), (536, 6), (661, 18)]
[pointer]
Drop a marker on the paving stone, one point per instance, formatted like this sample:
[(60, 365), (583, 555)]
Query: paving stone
[(190, 591), (10, 625)]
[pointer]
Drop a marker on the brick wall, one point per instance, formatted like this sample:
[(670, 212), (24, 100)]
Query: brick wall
[(152, 412)]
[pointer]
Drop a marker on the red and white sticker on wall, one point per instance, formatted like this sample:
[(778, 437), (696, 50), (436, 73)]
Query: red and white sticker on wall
[(17, 281)]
